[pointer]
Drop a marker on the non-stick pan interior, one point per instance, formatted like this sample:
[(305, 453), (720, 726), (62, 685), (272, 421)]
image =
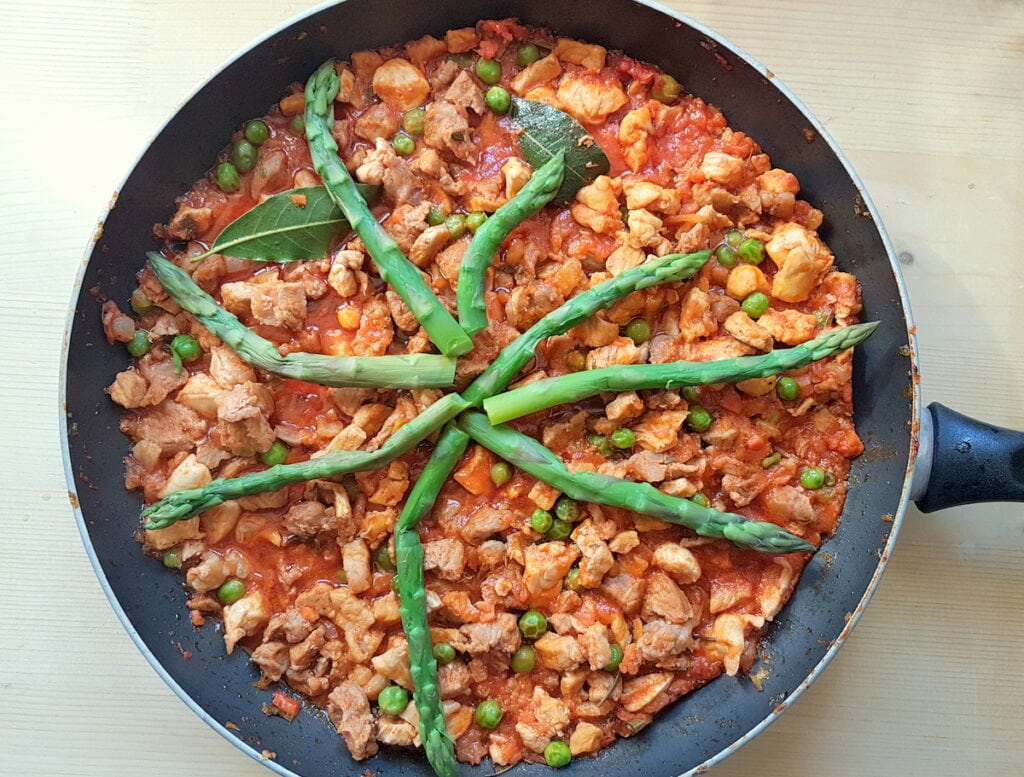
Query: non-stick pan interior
[(152, 598)]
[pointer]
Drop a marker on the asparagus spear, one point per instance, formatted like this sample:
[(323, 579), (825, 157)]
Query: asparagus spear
[(633, 377), (664, 269), (538, 192), (413, 598), (411, 371), (185, 504), (532, 457), (394, 267)]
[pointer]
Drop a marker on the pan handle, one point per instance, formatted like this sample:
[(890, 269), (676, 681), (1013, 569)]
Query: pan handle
[(963, 460)]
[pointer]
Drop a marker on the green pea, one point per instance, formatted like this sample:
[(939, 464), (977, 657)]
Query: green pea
[(733, 237), (393, 700), (533, 624), (699, 419), (475, 220), (623, 438), (726, 255), (540, 521), (403, 144), (443, 652), (559, 529), (456, 224), (139, 344), (256, 132), (527, 54), (227, 177), (751, 251), (616, 659), (501, 473), (498, 99), (172, 559), (575, 361), (812, 478), (488, 714), (638, 330), (276, 454), (667, 89), (756, 305), (691, 394), (186, 347), (700, 499), (435, 217), (140, 302), (567, 509), (243, 154), (771, 461), (383, 559), (231, 591), (298, 123), (412, 121), (601, 443), (488, 71), (523, 660), (572, 580), (787, 389), (557, 755)]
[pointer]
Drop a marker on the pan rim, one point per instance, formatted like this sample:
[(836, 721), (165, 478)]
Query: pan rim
[(868, 206)]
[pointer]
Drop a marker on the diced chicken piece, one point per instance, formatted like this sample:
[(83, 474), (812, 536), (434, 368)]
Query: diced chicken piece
[(400, 313), (377, 121), (623, 258), (242, 423), (802, 260), (129, 389), (622, 351), (375, 332), (532, 739), (585, 738), (175, 534), (635, 130), (789, 326), (425, 48), (485, 522), (528, 304), (228, 369), (590, 100), (237, 297), (743, 489), (638, 692), (559, 436), (659, 431), (645, 231), (843, 292), (355, 560), (500, 634), (199, 394), (453, 679), (747, 331), (776, 586), (446, 127), (189, 222), (393, 663), (561, 653), (346, 266), (625, 590), (218, 522), (397, 732), (515, 173), (466, 93), (546, 564), (646, 466), (625, 407), (663, 641), (272, 659), (790, 504), (723, 168), (308, 519), (171, 426), (595, 645), (597, 206), (382, 165), (161, 374), (461, 40), (778, 182), (536, 73), (391, 489), (552, 714), (678, 561), (727, 594), (596, 331), (597, 558), (696, 318), (427, 245), (244, 618), (349, 711), (447, 556), (729, 635), (623, 542), (744, 280), (208, 574), (400, 84), (279, 304), (664, 600), (189, 473), (650, 196), (588, 55)]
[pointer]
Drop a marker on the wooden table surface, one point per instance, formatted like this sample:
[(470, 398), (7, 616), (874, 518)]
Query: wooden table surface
[(927, 99)]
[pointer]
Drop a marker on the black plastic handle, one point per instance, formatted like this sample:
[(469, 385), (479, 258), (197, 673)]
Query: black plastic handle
[(972, 462)]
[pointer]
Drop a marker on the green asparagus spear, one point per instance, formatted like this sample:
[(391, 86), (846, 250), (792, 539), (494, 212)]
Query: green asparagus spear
[(537, 193), (664, 269), (633, 377), (413, 599), (393, 266), (412, 371), (185, 504), (529, 455)]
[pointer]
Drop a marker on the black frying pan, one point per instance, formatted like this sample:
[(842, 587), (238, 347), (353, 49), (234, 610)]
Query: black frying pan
[(966, 460)]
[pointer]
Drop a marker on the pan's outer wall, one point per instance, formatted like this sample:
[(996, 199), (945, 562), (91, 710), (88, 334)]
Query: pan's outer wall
[(706, 722)]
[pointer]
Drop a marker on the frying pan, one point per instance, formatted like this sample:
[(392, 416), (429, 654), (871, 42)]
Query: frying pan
[(927, 456)]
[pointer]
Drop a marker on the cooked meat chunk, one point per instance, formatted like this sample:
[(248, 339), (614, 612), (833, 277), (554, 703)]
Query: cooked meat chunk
[(349, 710)]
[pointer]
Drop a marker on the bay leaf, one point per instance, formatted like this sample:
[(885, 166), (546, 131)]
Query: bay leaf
[(298, 224), (547, 131)]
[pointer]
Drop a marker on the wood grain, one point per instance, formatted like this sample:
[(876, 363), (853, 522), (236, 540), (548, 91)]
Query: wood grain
[(927, 98)]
